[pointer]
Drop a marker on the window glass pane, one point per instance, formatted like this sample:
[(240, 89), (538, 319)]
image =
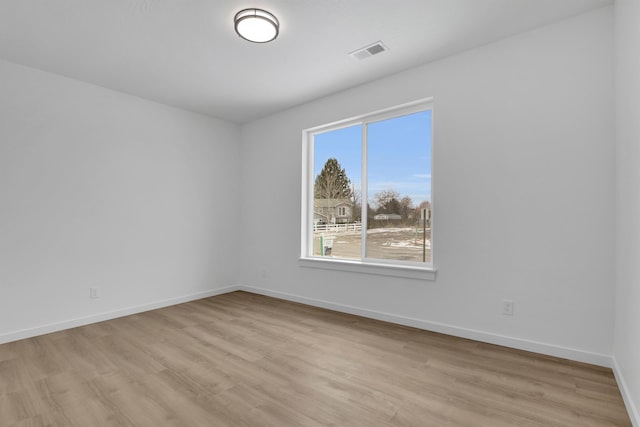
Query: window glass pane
[(399, 188), (337, 165)]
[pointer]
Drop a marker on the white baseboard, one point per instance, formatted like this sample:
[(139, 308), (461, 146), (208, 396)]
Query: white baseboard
[(537, 347), (518, 343), (72, 323), (632, 409)]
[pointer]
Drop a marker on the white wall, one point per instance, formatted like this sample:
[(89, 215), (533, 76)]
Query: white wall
[(98, 188), (523, 198), (627, 320)]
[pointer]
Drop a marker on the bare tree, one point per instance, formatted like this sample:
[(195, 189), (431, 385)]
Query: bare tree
[(406, 207), (356, 203), (387, 201)]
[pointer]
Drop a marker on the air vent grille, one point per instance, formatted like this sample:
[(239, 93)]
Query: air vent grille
[(368, 51)]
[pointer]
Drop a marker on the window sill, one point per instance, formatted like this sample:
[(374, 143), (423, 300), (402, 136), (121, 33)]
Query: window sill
[(407, 272)]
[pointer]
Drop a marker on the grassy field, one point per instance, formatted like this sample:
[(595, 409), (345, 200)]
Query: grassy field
[(384, 243)]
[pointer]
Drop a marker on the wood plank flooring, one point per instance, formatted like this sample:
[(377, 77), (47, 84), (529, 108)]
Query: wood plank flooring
[(246, 360)]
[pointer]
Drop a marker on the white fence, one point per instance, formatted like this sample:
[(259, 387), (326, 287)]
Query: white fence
[(334, 228)]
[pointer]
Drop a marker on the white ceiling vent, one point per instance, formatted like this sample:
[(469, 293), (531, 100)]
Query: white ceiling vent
[(367, 51)]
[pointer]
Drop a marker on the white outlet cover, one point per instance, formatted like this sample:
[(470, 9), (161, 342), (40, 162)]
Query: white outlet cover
[(507, 307)]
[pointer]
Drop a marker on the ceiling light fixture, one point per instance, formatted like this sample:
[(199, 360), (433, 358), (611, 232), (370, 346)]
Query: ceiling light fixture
[(256, 25)]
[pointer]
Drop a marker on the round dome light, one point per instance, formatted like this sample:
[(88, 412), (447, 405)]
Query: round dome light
[(256, 25)]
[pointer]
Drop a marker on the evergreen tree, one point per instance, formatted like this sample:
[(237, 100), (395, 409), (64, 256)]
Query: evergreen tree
[(332, 182)]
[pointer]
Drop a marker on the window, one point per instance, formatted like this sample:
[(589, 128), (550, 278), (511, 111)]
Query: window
[(367, 192)]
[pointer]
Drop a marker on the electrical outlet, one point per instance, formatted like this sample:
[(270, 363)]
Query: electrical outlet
[(507, 307), (94, 293)]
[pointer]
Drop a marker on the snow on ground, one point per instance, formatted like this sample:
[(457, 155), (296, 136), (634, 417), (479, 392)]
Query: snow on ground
[(389, 237), (390, 230), (407, 244)]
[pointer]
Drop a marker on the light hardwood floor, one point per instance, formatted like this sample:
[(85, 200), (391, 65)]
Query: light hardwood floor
[(246, 360)]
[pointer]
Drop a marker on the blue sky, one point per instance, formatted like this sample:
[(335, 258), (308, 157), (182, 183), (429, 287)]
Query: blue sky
[(399, 155)]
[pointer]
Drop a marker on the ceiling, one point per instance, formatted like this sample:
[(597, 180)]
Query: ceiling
[(185, 53)]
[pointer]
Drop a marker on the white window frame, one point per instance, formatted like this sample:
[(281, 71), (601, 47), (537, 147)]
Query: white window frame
[(394, 268)]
